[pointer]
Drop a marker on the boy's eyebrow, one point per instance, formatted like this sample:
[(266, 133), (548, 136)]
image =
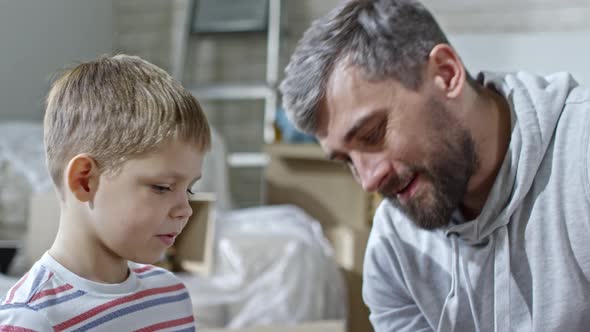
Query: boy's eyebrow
[(175, 175)]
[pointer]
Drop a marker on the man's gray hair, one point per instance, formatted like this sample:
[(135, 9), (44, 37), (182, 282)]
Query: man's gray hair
[(386, 39)]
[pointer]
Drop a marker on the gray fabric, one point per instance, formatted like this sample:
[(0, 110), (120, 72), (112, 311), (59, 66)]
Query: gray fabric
[(524, 263)]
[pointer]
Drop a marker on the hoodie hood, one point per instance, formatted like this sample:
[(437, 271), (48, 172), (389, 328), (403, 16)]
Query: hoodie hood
[(523, 263), (536, 104), (540, 101)]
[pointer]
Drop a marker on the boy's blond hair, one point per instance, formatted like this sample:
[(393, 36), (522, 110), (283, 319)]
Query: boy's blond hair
[(117, 108)]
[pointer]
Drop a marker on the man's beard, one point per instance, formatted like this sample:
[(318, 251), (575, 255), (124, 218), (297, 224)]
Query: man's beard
[(445, 177)]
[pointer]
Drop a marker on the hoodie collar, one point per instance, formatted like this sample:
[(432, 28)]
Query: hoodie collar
[(536, 104)]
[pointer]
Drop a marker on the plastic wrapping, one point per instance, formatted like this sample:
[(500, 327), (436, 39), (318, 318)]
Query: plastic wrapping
[(22, 169), (273, 266)]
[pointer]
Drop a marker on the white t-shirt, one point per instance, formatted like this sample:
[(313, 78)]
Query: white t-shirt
[(51, 298)]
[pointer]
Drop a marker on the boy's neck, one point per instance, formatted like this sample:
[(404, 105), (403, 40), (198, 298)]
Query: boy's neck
[(86, 257)]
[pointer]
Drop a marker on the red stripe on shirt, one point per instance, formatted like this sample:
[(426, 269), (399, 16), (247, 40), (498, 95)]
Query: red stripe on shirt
[(12, 328), (16, 287), (52, 291), (170, 323), (105, 306), (143, 269)]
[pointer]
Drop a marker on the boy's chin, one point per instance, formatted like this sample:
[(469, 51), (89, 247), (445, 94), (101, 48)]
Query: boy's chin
[(148, 259)]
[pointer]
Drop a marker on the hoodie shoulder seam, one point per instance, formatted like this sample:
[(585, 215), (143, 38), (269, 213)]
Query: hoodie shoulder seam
[(586, 161), (577, 102)]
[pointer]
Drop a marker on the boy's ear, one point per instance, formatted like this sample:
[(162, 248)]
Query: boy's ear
[(446, 70), (82, 177)]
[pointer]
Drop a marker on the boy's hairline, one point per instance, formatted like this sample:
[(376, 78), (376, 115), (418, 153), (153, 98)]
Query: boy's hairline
[(110, 155), (114, 169)]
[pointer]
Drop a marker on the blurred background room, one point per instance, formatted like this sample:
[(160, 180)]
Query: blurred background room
[(278, 236)]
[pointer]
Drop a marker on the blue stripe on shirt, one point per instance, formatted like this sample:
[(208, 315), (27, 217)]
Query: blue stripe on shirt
[(133, 308), (14, 306), (58, 300), (190, 329), (40, 275)]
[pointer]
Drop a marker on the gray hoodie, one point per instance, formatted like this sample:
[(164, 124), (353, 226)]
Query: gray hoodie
[(524, 263)]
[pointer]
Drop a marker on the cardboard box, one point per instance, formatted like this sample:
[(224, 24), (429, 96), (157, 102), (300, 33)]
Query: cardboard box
[(349, 250), (193, 247), (300, 174), (349, 246), (320, 326)]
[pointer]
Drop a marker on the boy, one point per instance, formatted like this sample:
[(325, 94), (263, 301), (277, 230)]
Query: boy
[(124, 145)]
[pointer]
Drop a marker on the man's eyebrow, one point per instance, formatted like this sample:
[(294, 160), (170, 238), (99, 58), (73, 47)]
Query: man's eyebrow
[(359, 123), (353, 131)]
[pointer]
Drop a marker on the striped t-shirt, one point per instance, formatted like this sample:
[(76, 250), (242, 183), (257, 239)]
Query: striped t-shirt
[(51, 298)]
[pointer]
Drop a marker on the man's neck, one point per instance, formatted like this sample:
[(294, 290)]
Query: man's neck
[(490, 126)]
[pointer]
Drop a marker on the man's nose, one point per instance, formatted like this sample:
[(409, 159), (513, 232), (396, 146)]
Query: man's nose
[(370, 170)]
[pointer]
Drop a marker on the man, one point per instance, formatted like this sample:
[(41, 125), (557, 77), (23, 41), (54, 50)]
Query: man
[(485, 225)]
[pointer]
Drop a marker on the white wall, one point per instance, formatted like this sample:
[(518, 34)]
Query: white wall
[(38, 37), (537, 52)]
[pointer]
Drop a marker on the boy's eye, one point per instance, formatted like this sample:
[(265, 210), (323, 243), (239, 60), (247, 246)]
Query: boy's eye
[(190, 192), (160, 189)]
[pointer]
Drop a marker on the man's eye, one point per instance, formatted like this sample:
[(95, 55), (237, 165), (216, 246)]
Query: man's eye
[(160, 189), (348, 162), (190, 192), (375, 136)]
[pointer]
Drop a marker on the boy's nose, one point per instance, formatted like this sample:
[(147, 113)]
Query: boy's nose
[(182, 210)]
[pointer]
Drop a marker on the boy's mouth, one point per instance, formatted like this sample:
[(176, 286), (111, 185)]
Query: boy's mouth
[(167, 239)]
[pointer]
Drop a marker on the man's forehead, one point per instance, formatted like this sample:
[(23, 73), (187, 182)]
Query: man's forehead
[(340, 80), (349, 98)]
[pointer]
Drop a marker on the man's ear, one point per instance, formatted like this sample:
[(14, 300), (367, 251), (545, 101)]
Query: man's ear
[(82, 177), (446, 70)]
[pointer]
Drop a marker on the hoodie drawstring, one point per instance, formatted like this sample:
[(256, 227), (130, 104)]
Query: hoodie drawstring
[(469, 291), (446, 322), (502, 281), (502, 272)]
